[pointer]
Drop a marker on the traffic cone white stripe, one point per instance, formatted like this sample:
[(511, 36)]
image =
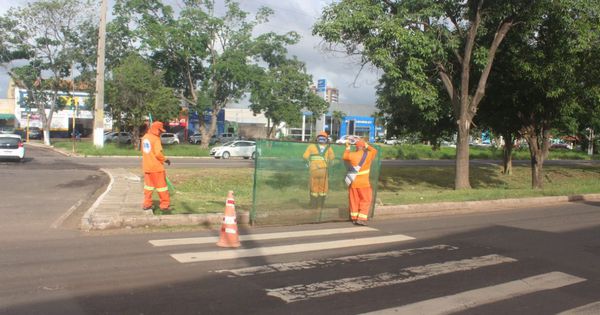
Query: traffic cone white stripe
[(229, 220)]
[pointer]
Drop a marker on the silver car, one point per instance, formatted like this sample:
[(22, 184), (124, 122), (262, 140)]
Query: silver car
[(243, 148), (168, 138)]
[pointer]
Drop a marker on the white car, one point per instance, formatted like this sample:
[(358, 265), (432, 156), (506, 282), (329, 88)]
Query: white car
[(169, 138), (11, 146), (243, 148), (343, 139), (391, 141)]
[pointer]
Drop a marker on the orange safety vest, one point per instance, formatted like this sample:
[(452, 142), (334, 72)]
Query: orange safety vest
[(318, 159), (152, 152), (353, 158)]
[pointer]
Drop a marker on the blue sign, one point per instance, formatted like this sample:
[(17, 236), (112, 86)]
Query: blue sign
[(321, 85)]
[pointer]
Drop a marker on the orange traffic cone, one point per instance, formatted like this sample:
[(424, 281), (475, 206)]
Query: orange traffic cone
[(229, 231)]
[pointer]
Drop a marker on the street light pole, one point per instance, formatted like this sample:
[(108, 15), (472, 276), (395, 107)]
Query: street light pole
[(99, 106)]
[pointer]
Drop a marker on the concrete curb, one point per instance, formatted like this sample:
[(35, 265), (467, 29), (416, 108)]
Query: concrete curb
[(450, 208)]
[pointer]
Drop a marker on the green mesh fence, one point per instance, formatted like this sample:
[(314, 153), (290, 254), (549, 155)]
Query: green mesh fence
[(282, 185)]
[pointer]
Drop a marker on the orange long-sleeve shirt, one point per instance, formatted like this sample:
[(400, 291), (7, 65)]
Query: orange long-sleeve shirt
[(152, 152), (317, 159), (353, 158)]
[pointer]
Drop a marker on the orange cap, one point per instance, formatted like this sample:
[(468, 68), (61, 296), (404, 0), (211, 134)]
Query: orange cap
[(360, 144)]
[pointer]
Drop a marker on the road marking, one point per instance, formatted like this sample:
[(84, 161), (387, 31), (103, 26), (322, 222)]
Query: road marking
[(330, 262), (302, 292), (258, 237), (473, 298), (287, 249), (65, 215), (589, 309)]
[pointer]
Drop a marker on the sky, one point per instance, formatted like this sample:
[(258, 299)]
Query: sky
[(340, 71)]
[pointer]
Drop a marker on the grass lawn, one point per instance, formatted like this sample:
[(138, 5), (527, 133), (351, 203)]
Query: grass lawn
[(86, 147), (285, 187), (400, 152), (202, 191)]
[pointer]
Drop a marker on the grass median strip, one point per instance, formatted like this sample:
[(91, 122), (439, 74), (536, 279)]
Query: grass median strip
[(204, 190)]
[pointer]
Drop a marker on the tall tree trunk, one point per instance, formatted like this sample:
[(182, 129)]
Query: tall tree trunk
[(538, 150), (461, 180), (537, 162), (507, 153)]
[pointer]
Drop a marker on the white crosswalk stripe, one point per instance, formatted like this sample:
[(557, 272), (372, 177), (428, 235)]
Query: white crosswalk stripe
[(473, 298), (261, 237), (344, 285), (331, 262), (302, 292), (588, 309), (287, 249)]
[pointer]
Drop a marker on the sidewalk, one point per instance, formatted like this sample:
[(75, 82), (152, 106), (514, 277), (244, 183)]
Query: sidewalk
[(120, 206)]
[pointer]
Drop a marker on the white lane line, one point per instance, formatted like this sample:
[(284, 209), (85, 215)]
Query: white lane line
[(65, 215), (286, 249), (301, 292), (588, 309), (329, 262), (257, 237), (473, 298)]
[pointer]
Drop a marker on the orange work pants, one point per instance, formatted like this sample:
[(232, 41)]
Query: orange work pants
[(360, 203), (318, 182), (156, 181)]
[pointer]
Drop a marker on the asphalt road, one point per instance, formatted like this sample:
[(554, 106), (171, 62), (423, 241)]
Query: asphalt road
[(527, 261)]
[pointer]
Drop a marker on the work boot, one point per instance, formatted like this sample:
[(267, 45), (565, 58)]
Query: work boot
[(361, 222), (313, 202)]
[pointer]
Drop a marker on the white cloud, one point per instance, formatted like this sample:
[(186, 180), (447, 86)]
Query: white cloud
[(299, 16)]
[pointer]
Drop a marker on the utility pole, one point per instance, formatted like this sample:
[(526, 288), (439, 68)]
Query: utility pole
[(99, 106)]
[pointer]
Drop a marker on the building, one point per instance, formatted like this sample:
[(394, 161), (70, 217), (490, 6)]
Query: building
[(78, 113), (329, 94), (357, 120)]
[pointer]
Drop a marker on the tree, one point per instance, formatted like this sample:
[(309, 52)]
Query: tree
[(541, 79), (206, 57), (43, 33), (403, 118), (137, 90), (422, 44), (282, 90), (337, 116)]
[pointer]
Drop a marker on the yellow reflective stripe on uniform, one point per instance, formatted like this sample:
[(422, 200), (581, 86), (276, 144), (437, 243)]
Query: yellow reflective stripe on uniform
[(162, 189), (363, 172), (314, 194), (353, 214), (363, 216), (317, 158), (148, 187), (322, 194)]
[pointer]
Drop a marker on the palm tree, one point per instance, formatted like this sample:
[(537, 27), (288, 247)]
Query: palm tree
[(337, 115)]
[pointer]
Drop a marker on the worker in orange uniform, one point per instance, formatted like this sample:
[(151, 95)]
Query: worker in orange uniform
[(153, 161), (357, 179), (319, 156)]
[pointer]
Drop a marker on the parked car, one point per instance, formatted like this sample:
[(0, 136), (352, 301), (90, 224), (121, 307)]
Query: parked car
[(243, 148), (121, 137), (11, 146), (561, 145), (343, 139), (169, 138), (35, 133), (391, 141), (108, 136), (196, 138), (7, 130), (227, 137)]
